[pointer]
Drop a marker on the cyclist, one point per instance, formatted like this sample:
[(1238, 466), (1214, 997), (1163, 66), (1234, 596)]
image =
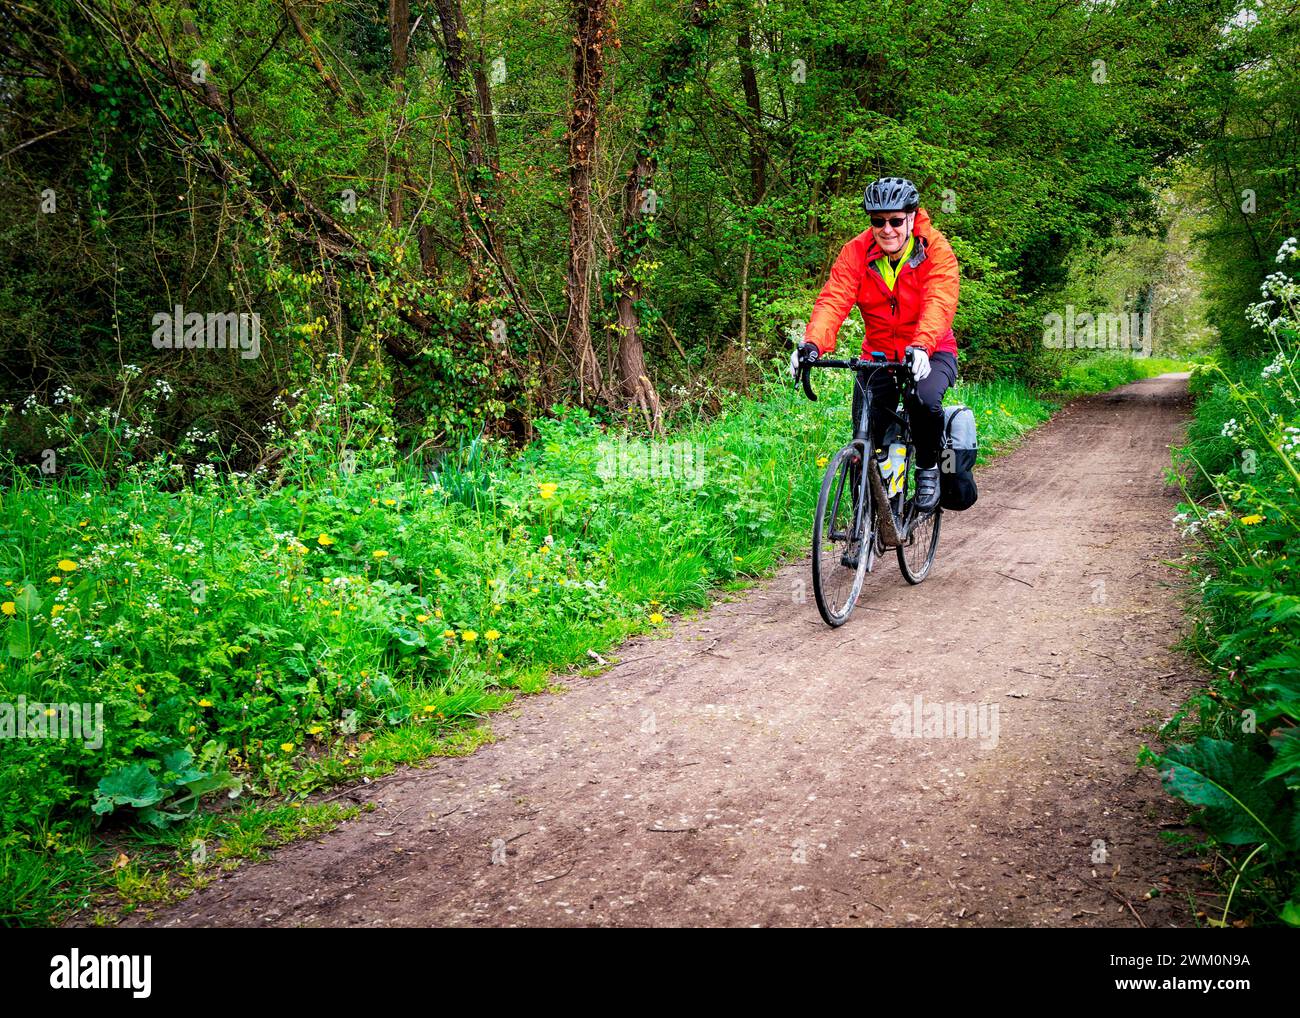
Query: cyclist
[(903, 276)]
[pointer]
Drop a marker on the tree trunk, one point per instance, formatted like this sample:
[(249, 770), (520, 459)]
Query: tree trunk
[(589, 18), (452, 22), (399, 30), (639, 200), (749, 82)]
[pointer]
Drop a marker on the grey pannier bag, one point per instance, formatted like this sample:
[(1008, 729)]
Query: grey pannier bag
[(957, 458)]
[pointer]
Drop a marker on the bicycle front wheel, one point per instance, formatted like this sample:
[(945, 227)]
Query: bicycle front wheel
[(842, 536)]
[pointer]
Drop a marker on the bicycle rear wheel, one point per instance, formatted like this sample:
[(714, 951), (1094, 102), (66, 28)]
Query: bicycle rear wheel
[(843, 533), (916, 553)]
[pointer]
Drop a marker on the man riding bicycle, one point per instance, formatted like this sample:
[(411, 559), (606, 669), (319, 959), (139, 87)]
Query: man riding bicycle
[(903, 276)]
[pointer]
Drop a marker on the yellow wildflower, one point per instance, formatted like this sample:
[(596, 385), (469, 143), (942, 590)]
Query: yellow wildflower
[(67, 565), (492, 634), (547, 489), (325, 540), (9, 608), (1252, 519), (656, 618), (469, 636)]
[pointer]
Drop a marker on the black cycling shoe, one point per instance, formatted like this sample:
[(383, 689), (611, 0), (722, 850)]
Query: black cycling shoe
[(927, 489)]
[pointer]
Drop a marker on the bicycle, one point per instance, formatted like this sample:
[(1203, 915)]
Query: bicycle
[(850, 535)]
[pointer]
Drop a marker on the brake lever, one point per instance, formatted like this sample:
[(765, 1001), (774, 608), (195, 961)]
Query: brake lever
[(806, 374)]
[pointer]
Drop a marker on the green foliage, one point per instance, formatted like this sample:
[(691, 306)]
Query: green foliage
[(1100, 372), (1242, 460)]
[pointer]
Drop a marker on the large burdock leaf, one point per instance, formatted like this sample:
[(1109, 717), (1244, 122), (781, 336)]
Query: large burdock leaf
[(132, 785), (1227, 779)]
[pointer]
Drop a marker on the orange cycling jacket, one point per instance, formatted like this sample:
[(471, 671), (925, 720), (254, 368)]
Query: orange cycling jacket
[(919, 310)]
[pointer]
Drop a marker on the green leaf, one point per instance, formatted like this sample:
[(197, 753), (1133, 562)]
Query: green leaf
[(1227, 779), (180, 763), (27, 600), (132, 785), (20, 643)]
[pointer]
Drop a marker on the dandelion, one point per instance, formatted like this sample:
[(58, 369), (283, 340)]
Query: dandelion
[(823, 460), (1252, 519), (421, 618), (450, 634), (492, 634), (429, 708), (67, 565), (545, 549), (9, 608), (437, 613), (379, 553), (315, 730), (57, 609), (655, 619), (469, 636), (547, 489), (390, 501), (324, 540), (205, 702), (287, 747)]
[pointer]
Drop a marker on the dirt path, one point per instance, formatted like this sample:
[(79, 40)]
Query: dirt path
[(744, 770)]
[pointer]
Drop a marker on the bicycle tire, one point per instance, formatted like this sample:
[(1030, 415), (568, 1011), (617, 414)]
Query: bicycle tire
[(857, 527), (920, 534)]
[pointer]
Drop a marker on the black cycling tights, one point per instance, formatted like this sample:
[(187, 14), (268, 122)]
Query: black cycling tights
[(925, 407)]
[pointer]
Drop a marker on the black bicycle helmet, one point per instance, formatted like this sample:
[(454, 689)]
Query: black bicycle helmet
[(891, 194)]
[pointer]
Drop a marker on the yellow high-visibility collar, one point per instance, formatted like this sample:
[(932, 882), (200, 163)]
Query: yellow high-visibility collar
[(889, 271)]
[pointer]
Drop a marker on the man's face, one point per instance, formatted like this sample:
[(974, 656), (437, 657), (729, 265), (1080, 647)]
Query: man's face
[(890, 237)]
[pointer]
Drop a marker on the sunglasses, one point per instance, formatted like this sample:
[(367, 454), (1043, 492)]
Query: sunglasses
[(895, 222)]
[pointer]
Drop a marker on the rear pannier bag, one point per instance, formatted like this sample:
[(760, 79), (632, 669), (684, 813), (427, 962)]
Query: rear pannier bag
[(957, 458)]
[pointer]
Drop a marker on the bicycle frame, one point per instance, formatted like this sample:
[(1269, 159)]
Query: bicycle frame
[(892, 526)]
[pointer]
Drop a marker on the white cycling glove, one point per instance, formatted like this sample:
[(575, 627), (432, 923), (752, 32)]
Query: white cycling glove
[(794, 364), (920, 363)]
